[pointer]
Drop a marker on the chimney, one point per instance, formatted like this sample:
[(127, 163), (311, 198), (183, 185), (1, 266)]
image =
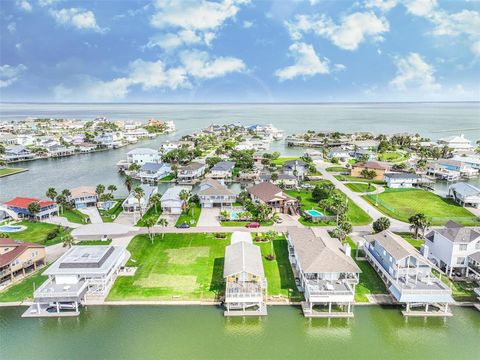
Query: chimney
[(347, 250)]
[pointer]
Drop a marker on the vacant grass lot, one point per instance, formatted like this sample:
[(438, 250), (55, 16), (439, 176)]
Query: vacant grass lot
[(392, 156), (281, 160), (338, 169), (360, 188), (10, 171), (37, 232), (403, 203), (23, 290), (74, 216)]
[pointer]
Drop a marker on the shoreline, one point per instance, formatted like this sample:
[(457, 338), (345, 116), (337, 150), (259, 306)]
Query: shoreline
[(20, 170)]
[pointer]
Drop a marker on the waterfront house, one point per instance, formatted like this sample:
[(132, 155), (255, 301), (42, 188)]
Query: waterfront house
[(449, 248), (213, 193), (171, 202), (314, 154), (449, 169), (19, 205), (325, 270), (58, 150), (105, 140), (341, 153), (379, 168), (152, 172), (222, 170), (274, 197), (297, 168), (83, 196), (407, 274), (365, 144), (245, 282), (190, 172), (8, 139), (465, 194), (18, 153), (284, 180), (142, 155), (132, 205), (364, 154), (472, 161), (400, 180), (83, 273), (457, 143), (19, 258), (168, 146), (85, 147)]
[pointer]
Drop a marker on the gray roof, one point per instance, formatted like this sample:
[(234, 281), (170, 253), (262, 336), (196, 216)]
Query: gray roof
[(243, 256), (224, 166), (192, 166), (16, 149), (292, 164), (214, 188), (465, 189), (142, 151), (456, 233), (320, 254), (475, 256), (395, 245), (401, 176), (152, 167)]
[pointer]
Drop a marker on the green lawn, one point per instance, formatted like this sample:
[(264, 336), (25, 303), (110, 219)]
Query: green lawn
[(193, 213), (361, 188), (37, 232), (354, 178), (95, 242), (370, 282), (10, 171), (151, 213), (243, 223), (337, 169), (24, 289), (281, 160), (111, 214), (392, 156), (74, 216), (461, 290), (409, 238), (168, 177), (403, 203)]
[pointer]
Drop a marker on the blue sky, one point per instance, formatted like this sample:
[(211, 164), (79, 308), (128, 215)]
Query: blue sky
[(239, 50)]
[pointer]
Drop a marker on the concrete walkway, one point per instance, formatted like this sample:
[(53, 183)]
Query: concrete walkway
[(60, 220), (93, 214)]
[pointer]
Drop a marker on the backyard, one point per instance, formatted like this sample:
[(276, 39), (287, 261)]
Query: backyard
[(403, 203), (112, 213), (37, 232), (339, 169), (10, 171), (24, 289)]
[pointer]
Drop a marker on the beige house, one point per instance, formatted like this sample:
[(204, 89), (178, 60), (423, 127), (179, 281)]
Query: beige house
[(274, 197)]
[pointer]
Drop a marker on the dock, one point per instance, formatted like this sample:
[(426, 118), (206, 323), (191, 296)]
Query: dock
[(324, 314)]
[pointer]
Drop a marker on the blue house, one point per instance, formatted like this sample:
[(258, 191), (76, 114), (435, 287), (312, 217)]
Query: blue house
[(152, 172)]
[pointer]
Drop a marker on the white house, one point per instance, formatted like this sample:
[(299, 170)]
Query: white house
[(152, 172), (81, 274), (327, 273), (143, 155), (190, 172), (297, 168), (213, 193), (450, 247), (456, 142), (132, 204), (339, 152), (171, 202), (222, 170), (465, 194), (400, 180), (83, 196), (18, 153)]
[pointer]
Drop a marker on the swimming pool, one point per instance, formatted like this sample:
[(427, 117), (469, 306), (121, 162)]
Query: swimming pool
[(11, 228), (314, 213), (234, 214)]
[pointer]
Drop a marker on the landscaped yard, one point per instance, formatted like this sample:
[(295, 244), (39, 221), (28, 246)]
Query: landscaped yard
[(151, 213), (74, 216), (340, 169), (281, 160), (37, 232), (193, 213), (10, 171), (360, 188), (403, 203), (168, 177), (361, 179), (409, 237), (392, 156), (113, 212), (24, 289), (370, 282), (461, 290)]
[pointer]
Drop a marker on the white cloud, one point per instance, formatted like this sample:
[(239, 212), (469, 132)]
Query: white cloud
[(414, 72), (307, 63), (247, 24), (198, 65), (352, 30), (383, 5), (475, 48), (9, 74), (44, 3), (152, 75), (24, 5), (77, 18), (12, 27), (420, 7), (171, 41)]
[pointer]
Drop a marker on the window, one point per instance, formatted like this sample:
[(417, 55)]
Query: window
[(460, 260), (462, 247)]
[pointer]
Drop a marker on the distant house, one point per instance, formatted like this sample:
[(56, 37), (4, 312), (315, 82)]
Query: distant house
[(273, 197), (400, 180), (339, 152), (152, 172), (132, 204), (83, 196), (407, 273), (19, 205), (454, 249), (364, 154), (19, 258), (192, 171), (465, 194), (449, 169), (245, 282), (85, 147), (288, 181), (222, 170), (379, 168), (314, 154), (328, 275), (470, 161), (366, 144), (456, 143), (213, 193), (142, 156), (297, 168), (171, 202), (60, 150), (18, 153), (105, 140)]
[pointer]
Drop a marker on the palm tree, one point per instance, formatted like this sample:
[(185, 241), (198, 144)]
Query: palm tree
[(128, 183), (138, 193), (112, 189), (149, 222), (68, 241), (271, 235), (164, 224), (225, 214), (100, 189), (381, 224), (184, 196), (61, 200), (66, 193), (51, 193), (155, 200), (34, 209), (419, 222)]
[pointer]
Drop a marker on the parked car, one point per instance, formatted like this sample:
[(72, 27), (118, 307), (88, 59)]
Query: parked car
[(279, 221), (182, 226), (253, 225)]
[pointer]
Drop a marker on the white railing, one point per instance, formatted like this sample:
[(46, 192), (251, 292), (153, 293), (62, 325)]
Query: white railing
[(45, 292)]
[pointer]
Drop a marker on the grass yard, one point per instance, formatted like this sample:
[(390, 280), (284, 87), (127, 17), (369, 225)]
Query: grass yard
[(151, 213), (354, 178), (74, 216), (169, 177), (370, 282), (392, 156), (177, 267), (416, 243), (281, 160), (10, 171), (113, 212), (243, 223), (193, 214), (461, 290), (95, 242), (24, 289), (403, 203), (338, 169), (37, 232), (360, 188)]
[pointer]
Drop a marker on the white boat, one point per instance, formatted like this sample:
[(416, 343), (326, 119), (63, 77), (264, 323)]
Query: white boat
[(131, 139), (272, 130), (170, 126)]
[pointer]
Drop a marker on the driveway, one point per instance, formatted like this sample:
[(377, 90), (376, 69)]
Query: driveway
[(171, 219), (289, 220), (93, 214), (209, 217), (126, 218)]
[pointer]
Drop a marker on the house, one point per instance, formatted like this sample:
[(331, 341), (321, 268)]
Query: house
[(131, 204), (400, 180), (105, 140), (152, 172), (297, 168), (18, 153), (60, 150), (449, 169), (192, 171), (285, 180), (213, 193), (83, 273), (143, 155), (456, 142), (222, 170), (314, 154), (364, 154), (327, 273), (19, 205), (171, 202), (449, 248), (273, 197), (465, 194), (83, 196), (379, 168), (245, 282), (407, 274), (339, 152), (366, 144), (470, 161), (85, 147), (8, 139), (19, 258)]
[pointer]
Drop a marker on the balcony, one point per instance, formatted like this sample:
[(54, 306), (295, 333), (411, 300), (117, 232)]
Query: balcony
[(246, 291), (51, 291), (326, 291)]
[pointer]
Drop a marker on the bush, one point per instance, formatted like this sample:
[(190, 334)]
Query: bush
[(220, 235), (381, 224), (270, 257), (53, 233)]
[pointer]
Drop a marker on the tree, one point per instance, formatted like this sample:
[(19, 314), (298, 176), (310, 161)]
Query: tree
[(68, 241), (61, 200), (271, 236), (184, 195), (212, 160), (323, 191), (34, 209), (381, 224), (368, 174), (128, 183), (225, 214), (134, 167), (66, 193), (100, 189), (51, 193), (274, 177), (138, 193), (149, 223), (419, 222), (155, 200), (163, 223), (112, 188)]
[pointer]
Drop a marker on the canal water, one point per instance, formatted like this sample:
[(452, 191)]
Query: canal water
[(191, 332)]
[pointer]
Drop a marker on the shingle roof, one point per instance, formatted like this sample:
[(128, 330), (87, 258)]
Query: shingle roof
[(223, 166), (19, 248), (266, 192), (243, 256), (465, 189), (457, 233), (401, 176), (82, 191), (395, 245), (214, 188), (192, 166), (372, 165)]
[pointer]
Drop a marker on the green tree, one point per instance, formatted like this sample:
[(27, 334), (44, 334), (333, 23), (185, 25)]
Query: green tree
[(128, 182), (51, 193), (99, 190), (184, 195), (163, 223), (112, 188), (61, 201), (149, 223), (155, 200), (138, 193), (381, 224), (68, 241), (419, 223), (34, 209)]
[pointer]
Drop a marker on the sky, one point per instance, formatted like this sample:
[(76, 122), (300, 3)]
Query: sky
[(239, 50)]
